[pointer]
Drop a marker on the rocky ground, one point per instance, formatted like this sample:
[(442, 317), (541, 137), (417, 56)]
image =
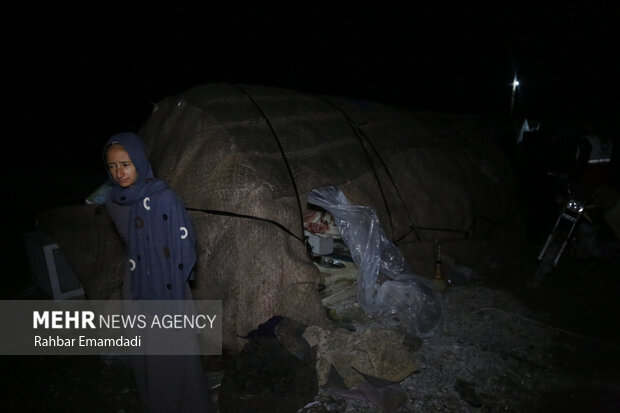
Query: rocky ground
[(506, 348), (501, 348)]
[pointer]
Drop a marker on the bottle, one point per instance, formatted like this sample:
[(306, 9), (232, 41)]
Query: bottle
[(439, 281)]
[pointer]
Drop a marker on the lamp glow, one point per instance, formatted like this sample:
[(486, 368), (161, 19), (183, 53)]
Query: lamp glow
[(514, 84)]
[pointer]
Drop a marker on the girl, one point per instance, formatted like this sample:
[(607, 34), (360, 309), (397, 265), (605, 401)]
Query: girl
[(155, 226)]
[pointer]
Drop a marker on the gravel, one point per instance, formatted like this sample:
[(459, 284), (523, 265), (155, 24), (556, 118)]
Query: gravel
[(501, 349)]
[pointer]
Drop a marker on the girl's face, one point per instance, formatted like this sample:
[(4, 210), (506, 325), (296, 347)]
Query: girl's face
[(121, 168)]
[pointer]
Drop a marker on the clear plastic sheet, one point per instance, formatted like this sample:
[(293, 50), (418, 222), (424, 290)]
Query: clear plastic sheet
[(403, 296)]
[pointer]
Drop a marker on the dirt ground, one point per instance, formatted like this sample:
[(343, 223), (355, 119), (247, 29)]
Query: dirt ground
[(502, 348)]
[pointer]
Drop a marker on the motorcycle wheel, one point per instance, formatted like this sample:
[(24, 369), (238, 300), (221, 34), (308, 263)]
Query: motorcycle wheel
[(545, 265)]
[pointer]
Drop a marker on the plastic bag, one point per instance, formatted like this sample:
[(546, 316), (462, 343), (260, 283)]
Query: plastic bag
[(99, 196), (405, 297), (411, 299)]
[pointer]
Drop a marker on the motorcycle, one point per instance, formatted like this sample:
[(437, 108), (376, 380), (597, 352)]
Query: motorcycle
[(575, 230)]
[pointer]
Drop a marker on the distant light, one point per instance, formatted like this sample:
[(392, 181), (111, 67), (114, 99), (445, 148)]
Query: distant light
[(514, 84)]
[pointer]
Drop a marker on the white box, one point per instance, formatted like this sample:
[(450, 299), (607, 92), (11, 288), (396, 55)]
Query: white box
[(50, 269), (321, 244)]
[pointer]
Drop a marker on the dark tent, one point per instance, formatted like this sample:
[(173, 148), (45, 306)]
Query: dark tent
[(256, 151)]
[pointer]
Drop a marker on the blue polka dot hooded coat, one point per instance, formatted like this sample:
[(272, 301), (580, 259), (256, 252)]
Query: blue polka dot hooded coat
[(160, 239)]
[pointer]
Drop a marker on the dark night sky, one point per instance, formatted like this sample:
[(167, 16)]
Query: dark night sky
[(76, 75)]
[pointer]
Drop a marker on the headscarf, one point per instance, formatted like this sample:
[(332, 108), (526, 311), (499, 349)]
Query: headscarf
[(160, 239), (146, 183)]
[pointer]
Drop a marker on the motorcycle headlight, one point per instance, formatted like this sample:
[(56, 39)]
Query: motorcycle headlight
[(575, 206)]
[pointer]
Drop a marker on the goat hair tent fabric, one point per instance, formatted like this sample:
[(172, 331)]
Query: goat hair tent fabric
[(258, 151)]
